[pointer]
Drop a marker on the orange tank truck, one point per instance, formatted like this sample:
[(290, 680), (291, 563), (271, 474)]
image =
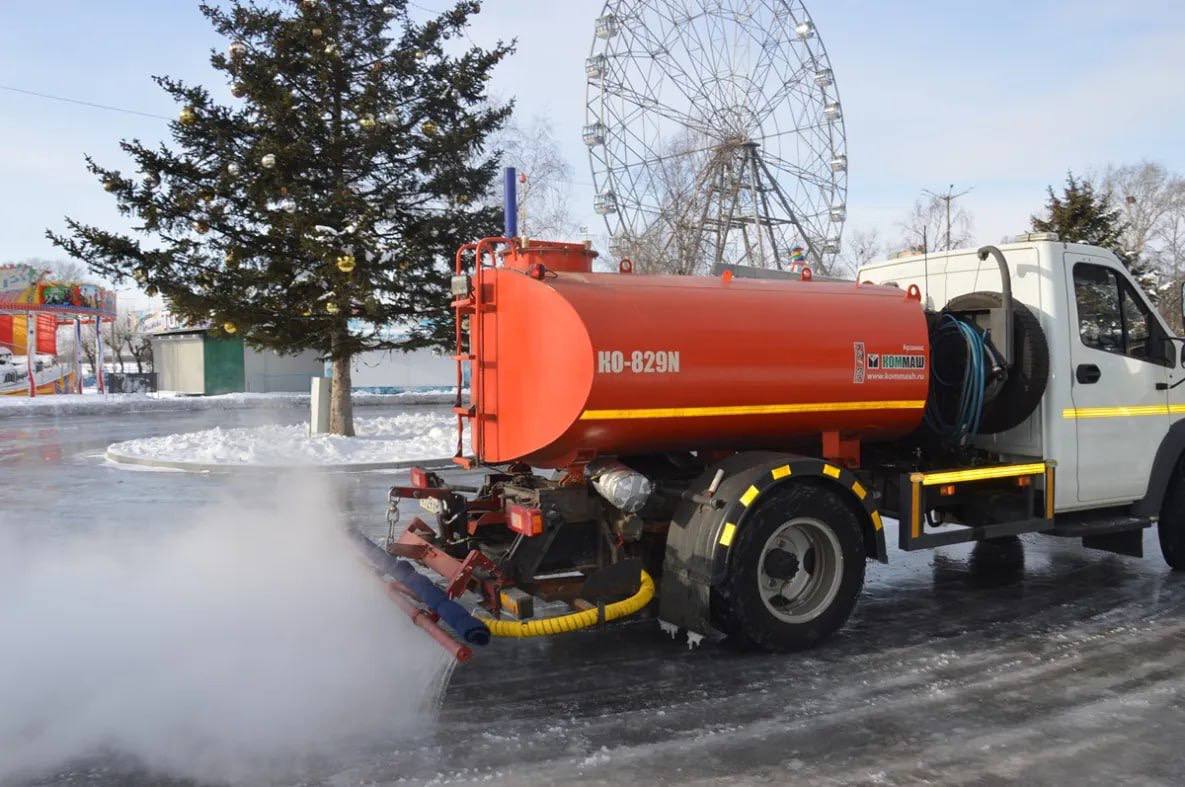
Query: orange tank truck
[(572, 364), (732, 449)]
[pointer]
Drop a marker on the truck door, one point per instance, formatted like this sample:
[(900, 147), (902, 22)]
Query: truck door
[(1119, 371)]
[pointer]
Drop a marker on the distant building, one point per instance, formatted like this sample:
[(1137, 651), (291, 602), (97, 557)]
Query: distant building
[(193, 361), (380, 369)]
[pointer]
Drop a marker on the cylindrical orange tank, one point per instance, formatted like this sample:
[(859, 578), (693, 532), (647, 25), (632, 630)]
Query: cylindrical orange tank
[(571, 364)]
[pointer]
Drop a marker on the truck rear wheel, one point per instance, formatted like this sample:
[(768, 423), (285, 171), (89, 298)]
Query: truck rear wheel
[(1171, 526), (795, 571)]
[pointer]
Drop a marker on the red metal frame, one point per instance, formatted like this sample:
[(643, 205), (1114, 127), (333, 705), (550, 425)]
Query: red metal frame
[(471, 305), (414, 544), (427, 621)]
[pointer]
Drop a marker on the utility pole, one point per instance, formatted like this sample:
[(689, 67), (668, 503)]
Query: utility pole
[(948, 197)]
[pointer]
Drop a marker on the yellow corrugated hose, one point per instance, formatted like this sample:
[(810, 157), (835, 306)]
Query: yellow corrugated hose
[(561, 624)]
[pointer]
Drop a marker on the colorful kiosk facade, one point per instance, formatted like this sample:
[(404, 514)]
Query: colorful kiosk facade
[(32, 309)]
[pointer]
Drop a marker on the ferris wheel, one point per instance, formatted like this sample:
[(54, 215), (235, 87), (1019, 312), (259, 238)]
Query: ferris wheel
[(715, 134)]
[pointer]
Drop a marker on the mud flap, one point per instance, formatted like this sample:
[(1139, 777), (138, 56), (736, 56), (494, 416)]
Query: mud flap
[(703, 529), (685, 599)]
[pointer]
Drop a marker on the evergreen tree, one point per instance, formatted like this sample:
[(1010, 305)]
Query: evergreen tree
[(323, 208), (1082, 215)]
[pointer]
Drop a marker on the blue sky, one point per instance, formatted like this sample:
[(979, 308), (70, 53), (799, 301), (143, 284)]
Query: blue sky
[(1001, 96)]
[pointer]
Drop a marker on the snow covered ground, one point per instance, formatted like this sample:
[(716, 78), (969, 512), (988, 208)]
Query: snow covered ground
[(89, 404), (426, 434)]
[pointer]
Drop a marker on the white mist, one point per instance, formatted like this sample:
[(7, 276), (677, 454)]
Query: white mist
[(233, 646)]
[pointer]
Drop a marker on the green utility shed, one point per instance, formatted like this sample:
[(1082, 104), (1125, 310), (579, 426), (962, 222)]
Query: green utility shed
[(195, 361)]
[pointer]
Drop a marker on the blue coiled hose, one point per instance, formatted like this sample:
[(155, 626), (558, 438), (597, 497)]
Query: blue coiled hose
[(969, 390)]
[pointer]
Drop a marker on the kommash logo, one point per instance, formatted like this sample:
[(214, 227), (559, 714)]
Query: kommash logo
[(888, 366), (896, 361)]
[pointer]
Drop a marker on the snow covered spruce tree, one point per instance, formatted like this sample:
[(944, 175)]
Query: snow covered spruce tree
[(322, 208)]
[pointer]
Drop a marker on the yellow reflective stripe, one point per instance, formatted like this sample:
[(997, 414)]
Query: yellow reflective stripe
[(982, 473), (749, 496), (859, 490), (831, 470), (748, 409), (780, 472), (1049, 492), (1122, 411), (876, 520), (915, 508), (727, 533)]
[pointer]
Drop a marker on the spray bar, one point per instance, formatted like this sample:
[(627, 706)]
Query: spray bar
[(407, 586)]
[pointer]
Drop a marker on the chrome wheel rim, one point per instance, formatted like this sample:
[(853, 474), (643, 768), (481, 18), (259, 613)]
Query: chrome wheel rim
[(800, 570)]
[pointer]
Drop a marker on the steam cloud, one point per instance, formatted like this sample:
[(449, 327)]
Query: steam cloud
[(234, 647)]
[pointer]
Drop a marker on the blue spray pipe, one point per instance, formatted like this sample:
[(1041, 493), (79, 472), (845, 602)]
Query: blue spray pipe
[(510, 203), (457, 617)]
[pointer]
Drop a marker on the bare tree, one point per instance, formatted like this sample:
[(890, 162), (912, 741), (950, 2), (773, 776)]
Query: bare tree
[(1148, 196), (937, 223), (674, 241), (138, 343), (861, 246), (1169, 237), (545, 178), (59, 270)]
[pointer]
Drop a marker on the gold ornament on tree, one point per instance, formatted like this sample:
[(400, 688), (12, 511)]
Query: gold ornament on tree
[(187, 117), (346, 263), (429, 128), (367, 122), (268, 161), (229, 327), (331, 307)]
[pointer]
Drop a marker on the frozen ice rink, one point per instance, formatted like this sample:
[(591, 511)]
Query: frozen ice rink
[(1038, 662)]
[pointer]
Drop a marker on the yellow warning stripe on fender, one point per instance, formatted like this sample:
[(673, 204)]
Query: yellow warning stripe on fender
[(748, 409), (727, 533), (981, 474), (1122, 411)]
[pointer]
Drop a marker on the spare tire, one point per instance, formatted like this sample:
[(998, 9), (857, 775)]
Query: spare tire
[(1022, 392)]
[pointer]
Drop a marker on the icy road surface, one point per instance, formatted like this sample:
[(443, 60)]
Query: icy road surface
[(1039, 663)]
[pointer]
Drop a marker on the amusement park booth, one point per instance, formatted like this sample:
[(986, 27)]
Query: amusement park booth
[(32, 309)]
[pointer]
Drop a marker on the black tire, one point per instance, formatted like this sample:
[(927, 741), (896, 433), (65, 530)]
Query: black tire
[(1026, 382), (739, 608), (1171, 527)]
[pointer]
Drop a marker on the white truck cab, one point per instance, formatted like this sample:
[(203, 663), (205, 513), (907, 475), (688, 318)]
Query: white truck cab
[(1114, 389)]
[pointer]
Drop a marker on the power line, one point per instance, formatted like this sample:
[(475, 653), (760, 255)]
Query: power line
[(80, 102)]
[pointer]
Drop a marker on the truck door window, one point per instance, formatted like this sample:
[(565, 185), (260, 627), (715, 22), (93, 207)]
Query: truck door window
[(1143, 336), (1113, 318), (1100, 321)]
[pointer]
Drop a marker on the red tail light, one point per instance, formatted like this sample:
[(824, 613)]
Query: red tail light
[(528, 521)]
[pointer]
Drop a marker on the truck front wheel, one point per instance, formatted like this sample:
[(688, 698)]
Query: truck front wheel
[(1171, 527), (795, 571)]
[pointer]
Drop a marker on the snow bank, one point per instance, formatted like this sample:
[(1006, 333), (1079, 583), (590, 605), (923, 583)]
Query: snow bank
[(96, 404), (387, 440)]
